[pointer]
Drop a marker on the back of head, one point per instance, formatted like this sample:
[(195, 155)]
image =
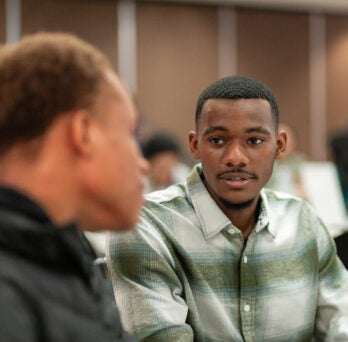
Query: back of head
[(238, 87), (44, 76)]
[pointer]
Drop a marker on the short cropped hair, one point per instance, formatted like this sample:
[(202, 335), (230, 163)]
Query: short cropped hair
[(238, 87), (158, 143), (42, 77)]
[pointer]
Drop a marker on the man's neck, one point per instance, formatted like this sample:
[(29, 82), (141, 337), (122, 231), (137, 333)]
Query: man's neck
[(44, 181), (244, 219)]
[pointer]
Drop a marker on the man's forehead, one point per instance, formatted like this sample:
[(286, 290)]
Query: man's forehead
[(227, 108), (220, 112), (218, 101)]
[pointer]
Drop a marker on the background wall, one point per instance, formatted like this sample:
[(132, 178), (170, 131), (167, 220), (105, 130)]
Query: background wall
[(94, 21), (178, 51), (177, 57)]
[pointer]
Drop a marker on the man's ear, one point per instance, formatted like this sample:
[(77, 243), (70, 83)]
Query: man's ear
[(81, 132), (281, 144), (193, 141)]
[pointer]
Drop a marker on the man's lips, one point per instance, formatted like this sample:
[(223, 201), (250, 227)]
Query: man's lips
[(236, 176), (236, 180)]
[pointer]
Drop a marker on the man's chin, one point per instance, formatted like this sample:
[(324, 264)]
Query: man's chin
[(237, 205)]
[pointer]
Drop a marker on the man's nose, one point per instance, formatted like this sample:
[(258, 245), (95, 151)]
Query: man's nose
[(235, 155)]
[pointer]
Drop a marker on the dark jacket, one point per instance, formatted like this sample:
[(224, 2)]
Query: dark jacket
[(50, 290)]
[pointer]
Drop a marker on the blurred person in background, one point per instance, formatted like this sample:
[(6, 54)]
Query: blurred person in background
[(286, 174), (68, 161), (162, 151)]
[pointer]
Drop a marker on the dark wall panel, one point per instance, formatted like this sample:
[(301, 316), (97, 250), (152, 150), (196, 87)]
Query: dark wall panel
[(2, 22), (94, 21)]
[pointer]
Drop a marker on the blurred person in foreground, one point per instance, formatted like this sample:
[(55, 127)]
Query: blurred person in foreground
[(163, 153), (68, 160), (221, 258)]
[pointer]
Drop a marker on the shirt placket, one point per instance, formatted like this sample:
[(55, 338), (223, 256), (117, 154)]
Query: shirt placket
[(248, 294)]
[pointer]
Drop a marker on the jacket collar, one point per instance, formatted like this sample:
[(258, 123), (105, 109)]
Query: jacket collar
[(27, 230)]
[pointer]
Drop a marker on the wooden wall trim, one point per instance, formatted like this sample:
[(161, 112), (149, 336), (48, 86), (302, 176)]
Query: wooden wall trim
[(227, 41), (127, 42)]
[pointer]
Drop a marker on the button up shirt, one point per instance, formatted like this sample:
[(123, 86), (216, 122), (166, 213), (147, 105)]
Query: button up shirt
[(187, 274)]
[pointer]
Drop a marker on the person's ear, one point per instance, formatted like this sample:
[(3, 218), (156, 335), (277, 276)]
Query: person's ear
[(81, 136), (193, 141), (281, 144)]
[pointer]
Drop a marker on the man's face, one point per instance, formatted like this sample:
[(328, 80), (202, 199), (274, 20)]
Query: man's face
[(237, 143), (118, 170)]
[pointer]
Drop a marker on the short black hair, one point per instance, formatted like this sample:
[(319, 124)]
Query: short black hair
[(238, 87), (159, 142)]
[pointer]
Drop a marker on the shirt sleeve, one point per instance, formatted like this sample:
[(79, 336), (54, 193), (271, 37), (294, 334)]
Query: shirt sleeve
[(332, 310), (148, 291)]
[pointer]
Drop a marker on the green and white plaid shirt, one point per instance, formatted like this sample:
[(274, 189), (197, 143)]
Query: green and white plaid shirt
[(185, 274)]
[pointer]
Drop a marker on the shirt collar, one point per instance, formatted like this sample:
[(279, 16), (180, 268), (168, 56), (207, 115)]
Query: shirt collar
[(211, 217), (265, 216)]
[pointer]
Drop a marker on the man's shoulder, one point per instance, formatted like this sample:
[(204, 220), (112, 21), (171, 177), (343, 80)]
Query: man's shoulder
[(279, 197), (164, 207), (280, 204), (169, 197)]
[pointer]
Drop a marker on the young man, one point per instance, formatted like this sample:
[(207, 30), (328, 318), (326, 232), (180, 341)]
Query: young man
[(68, 161), (220, 258)]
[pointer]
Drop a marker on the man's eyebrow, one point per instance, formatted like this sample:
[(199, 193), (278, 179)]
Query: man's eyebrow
[(213, 129), (258, 129)]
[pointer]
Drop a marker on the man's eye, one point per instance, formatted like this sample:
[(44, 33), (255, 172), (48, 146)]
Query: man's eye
[(216, 141), (256, 141)]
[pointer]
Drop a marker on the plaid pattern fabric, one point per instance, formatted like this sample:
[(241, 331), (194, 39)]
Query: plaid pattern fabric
[(186, 274)]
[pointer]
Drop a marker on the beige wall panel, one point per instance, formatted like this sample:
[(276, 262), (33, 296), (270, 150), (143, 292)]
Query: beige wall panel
[(273, 47), (2, 22), (94, 21), (176, 58), (337, 73)]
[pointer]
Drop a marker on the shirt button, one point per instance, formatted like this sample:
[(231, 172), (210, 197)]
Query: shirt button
[(231, 231), (245, 259), (247, 307)]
